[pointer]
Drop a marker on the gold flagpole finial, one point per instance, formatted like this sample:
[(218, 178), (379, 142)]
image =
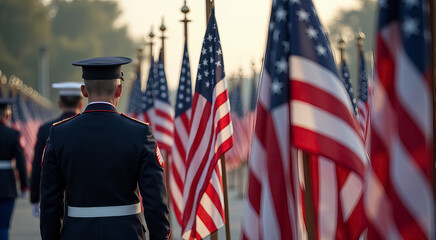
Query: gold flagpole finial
[(185, 10), (360, 39), (151, 35), (341, 43), (341, 47), (163, 28)]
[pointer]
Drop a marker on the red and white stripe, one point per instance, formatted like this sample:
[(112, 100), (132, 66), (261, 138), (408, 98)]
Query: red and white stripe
[(324, 125), (323, 121), (211, 135), (363, 117), (337, 200), (163, 122), (27, 139), (178, 156), (251, 122), (239, 152), (28, 131), (399, 198), (148, 116), (270, 210)]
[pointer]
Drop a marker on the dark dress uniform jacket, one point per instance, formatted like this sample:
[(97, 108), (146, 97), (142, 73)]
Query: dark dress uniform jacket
[(37, 157), (99, 158), (10, 148)]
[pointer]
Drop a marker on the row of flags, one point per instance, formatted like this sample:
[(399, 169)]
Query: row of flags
[(243, 123), (366, 159), (27, 115), (194, 134), (369, 159)]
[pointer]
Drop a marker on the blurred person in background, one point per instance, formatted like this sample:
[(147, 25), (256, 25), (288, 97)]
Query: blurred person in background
[(10, 148), (70, 103)]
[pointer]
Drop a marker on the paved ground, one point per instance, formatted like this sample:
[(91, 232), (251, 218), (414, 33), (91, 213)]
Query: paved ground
[(26, 227)]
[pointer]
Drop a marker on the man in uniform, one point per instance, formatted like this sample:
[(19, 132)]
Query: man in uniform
[(99, 160), (10, 148), (70, 103)]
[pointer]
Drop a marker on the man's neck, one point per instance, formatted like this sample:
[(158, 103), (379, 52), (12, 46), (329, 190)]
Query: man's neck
[(106, 100)]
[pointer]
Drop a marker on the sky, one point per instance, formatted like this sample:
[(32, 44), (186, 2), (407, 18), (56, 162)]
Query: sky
[(242, 27)]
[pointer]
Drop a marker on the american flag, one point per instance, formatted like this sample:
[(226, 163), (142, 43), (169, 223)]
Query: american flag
[(251, 113), (181, 131), (302, 104), (35, 114), (164, 114), (337, 200), (337, 191), (147, 97), (347, 83), (363, 100), (253, 94), (134, 107), (239, 152), (211, 135), (399, 201), (21, 121), (35, 120)]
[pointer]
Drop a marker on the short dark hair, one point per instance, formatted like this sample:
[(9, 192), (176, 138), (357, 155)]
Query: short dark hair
[(101, 87), (4, 108), (70, 101)]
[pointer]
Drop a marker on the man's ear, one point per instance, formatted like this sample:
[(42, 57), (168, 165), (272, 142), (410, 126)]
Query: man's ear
[(60, 104), (8, 115), (119, 90), (84, 91)]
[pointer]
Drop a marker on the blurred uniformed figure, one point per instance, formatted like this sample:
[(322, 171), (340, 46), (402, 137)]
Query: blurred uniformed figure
[(70, 103), (10, 148), (98, 159)]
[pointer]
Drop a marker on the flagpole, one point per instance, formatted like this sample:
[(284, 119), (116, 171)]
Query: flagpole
[(140, 56), (308, 197), (226, 198), (209, 5), (433, 85), (163, 28), (151, 35), (185, 10), (360, 38), (341, 48), (214, 235), (166, 155)]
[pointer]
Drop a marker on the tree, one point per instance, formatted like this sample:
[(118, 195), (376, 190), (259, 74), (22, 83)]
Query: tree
[(24, 27), (83, 29), (348, 24), (68, 29)]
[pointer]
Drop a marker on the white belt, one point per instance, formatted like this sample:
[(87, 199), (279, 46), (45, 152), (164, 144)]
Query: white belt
[(5, 164), (112, 211)]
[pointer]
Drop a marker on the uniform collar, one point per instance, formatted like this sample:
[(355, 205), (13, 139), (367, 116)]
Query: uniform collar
[(100, 107), (104, 102)]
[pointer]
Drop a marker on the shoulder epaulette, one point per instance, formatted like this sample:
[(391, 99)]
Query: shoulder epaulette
[(65, 120), (134, 119)]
